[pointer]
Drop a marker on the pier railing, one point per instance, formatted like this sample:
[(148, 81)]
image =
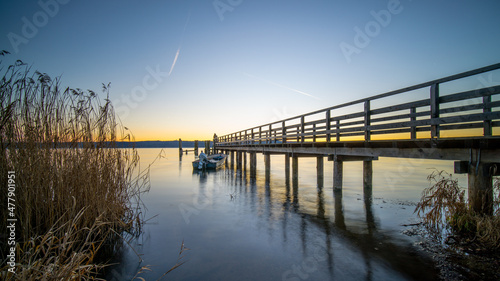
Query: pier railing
[(428, 114)]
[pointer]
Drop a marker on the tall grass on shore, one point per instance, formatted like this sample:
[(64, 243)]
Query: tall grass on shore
[(444, 204), (76, 193)]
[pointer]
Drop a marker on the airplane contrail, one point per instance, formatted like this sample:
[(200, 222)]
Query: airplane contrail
[(180, 43), (281, 86), (175, 61)]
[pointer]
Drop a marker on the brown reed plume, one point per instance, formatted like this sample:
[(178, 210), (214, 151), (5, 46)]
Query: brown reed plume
[(76, 194), (444, 204)]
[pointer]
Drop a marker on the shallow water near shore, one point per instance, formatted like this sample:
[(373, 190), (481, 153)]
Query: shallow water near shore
[(242, 228)]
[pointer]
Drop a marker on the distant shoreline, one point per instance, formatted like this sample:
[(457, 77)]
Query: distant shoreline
[(159, 144)]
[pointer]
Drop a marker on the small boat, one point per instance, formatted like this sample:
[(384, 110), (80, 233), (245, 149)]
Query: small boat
[(213, 162)]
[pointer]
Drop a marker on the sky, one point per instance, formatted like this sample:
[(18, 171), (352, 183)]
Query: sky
[(190, 68)]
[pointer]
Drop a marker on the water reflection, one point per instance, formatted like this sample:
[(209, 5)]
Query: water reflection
[(340, 244), (242, 225)]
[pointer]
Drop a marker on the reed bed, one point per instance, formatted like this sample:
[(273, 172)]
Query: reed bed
[(76, 194), (444, 204)]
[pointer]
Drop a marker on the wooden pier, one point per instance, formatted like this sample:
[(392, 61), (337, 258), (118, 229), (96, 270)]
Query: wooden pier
[(435, 121)]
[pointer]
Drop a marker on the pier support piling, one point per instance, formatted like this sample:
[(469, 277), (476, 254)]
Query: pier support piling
[(295, 170), (320, 170), (253, 164), (480, 183), (367, 175), (337, 174), (244, 161), (287, 168), (196, 148), (232, 159), (267, 163), (239, 156), (481, 188)]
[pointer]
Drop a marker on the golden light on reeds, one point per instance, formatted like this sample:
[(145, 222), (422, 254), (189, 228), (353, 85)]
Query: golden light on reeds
[(76, 193), (444, 204)]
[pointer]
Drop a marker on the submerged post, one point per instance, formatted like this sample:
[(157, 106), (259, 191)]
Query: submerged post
[(253, 163), (367, 177), (267, 163), (481, 188), (287, 167), (206, 149), (295, 170), (337, 174), (320, 170), (480, 182), (180, 147), (245, 160), (239, 159)]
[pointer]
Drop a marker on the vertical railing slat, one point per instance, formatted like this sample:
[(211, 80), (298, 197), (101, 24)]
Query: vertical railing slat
[(302, 128), (413, 118), (487, 122), (367, 120), (434, 110)]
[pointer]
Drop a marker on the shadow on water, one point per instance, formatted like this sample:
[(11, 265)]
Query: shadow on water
[(328, 242)]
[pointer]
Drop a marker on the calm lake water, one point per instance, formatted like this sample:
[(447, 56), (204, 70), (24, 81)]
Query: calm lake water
[(238, 228)]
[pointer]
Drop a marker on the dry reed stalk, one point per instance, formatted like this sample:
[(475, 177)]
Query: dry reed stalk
[(74, 188), (444, 204)]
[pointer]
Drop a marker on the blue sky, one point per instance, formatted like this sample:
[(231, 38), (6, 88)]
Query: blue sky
[(191, 68)]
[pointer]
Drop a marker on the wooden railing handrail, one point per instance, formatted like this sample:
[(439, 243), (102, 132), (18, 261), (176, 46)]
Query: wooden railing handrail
[(266, 132)]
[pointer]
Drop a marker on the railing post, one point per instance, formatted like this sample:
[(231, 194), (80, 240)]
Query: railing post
[(487, 109), (275, 133), (413, 118), (302, 128), (435, 111), (367, 120), (314, 132), (270, 134), (283, 132), (328, 135), (337, 130), (260, 135)]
